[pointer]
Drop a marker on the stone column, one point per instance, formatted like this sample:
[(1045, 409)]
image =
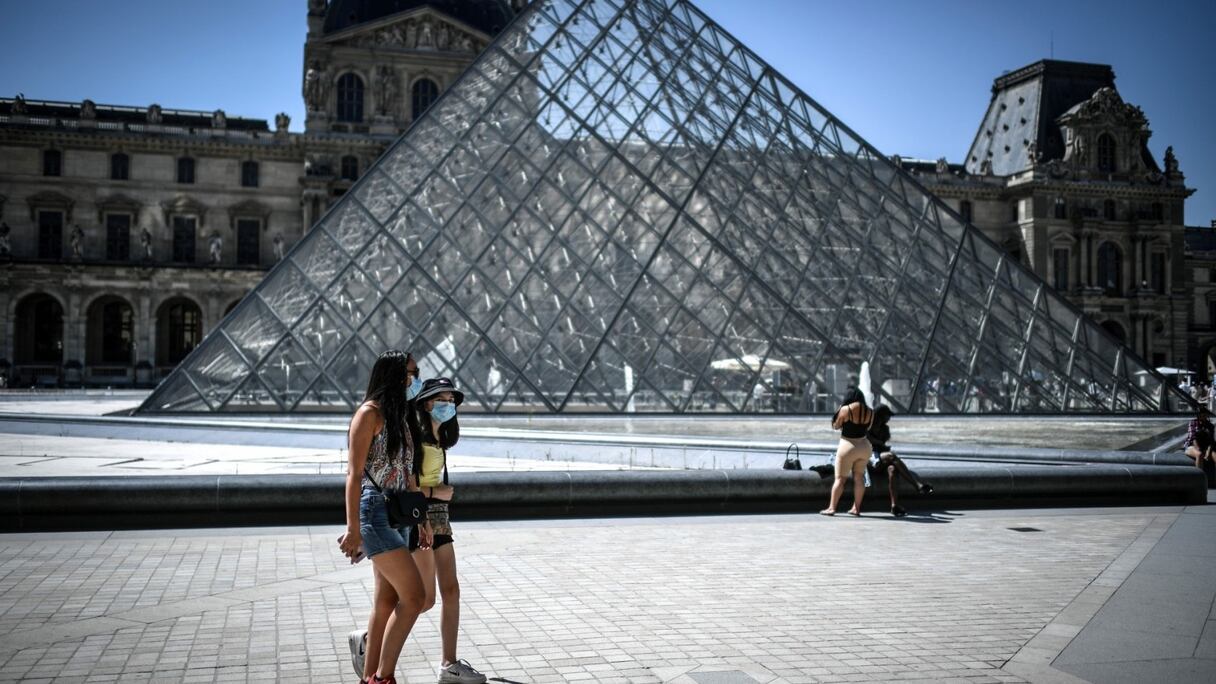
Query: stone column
[(1137, 262), (146, 331), (6, 324)]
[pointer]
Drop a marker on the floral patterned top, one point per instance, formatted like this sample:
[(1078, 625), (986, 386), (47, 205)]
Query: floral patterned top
[(390, 472)]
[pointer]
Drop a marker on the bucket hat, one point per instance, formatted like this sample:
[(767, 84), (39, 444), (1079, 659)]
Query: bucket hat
[(434, 386)]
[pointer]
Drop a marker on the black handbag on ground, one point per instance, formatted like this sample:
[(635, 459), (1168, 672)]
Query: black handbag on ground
[(405, 509), (792, 463)]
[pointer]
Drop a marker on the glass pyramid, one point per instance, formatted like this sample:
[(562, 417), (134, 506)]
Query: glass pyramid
[(620, 208)]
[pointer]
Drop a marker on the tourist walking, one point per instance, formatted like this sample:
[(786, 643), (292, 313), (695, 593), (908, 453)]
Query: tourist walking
[(439, 430), (1200, 443), (380, 465), (853, 419), (884, 459)]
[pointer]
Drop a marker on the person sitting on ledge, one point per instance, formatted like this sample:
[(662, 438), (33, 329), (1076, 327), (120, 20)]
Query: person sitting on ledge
[(1200, 443), (883, 459)]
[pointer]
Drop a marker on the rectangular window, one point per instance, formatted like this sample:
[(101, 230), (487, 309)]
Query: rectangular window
[(120, 167), (249, 174), (1059, 258), (185, 170), (50, 235), (1158, 274), (118, 237), (248, 242), (183, 239), (52, 163)]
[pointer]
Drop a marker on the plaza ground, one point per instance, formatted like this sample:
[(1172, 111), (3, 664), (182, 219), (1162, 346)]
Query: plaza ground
[(1108, 595)]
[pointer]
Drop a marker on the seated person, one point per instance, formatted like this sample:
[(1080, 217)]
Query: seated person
[(884, 459)]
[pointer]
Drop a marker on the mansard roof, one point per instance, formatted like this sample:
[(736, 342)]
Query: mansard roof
[(487, 16)]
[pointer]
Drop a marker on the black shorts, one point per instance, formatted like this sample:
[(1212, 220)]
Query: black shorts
[(440, 541)]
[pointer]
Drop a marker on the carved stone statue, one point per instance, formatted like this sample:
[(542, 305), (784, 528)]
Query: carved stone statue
[(6, 247), (278, 247), (281, 122), (145, 241), (386, 90), (76, 239), (1171, 162), (315, 87), (465, 44), (442, 37), (219, 119), (426, 36), (411, 35), (941, 168), (216, 244), (316, 7), (88, 109), (154, 114), (986, 167), (19, 104)]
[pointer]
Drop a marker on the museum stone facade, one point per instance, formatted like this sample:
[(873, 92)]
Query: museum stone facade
[(127, 233)]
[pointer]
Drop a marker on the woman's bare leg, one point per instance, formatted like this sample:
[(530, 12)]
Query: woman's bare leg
[(425, 560), (841, 476), (449, 589), (384, 602), (859, 484), (400, 572)]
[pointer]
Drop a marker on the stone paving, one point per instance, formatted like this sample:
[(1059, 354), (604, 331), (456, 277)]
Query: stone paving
[(941, 597)]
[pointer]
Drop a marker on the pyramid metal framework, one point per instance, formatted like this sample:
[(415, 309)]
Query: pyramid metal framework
[(620, 208)]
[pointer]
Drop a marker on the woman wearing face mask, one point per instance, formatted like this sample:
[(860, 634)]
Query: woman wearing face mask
[(438, 431), (381, 458)]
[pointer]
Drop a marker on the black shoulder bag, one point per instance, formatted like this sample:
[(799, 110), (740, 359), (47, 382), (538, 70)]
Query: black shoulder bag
[(405, 509), (792, 463)]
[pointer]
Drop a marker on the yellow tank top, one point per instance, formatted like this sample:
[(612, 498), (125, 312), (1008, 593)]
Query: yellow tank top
[(432, 466)]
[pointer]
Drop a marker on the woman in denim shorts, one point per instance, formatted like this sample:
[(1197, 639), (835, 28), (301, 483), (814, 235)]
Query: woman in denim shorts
[(380, 458)]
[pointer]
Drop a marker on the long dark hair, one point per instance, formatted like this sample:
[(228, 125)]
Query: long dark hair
[(386, 387), (449, 432), (853, 395)]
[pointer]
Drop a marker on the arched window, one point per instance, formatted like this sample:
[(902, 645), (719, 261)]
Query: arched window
[(179, 329), (120, 166), (1106, 153), (350, 98), (1108, 209), (1110, 269), (1116, 331), (110, 332), (39, 330), (422, 95), (964, 210), (350, 167)]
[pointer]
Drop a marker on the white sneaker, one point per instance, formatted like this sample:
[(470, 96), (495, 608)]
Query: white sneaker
[(358, 649), (460, 672)]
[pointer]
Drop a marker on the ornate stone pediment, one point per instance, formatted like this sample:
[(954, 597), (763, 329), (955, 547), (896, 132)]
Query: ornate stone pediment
[(246, 209), (184, 205), (118, 204), (1108, 108), (424, 31), (49, 199)]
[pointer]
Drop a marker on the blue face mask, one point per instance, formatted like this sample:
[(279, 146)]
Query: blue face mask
[(412, 389), (443, 411)]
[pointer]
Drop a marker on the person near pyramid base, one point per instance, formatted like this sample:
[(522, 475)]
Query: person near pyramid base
[(380, 464), (853, 419), (886, 461)]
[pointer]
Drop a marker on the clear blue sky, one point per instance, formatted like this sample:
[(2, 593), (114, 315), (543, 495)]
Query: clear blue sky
[(912, 77)]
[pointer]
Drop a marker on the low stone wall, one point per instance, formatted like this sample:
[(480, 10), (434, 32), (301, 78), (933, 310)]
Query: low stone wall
[(82, 503)]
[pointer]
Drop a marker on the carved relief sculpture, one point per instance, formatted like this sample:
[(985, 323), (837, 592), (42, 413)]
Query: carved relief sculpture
[(77, 241), (315, 87), (216, 244), (411, 35), (426, 37), (386, 90), (442, 36), (145, 242), (88, 110), (219, 119)]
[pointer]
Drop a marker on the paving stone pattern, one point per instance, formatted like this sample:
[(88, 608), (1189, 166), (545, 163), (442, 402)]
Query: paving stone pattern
[(783, 598)]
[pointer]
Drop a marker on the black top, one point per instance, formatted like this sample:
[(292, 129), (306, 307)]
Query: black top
[(853, 428)]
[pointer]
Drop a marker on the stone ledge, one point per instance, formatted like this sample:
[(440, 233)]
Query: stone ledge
[(81, 503)]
